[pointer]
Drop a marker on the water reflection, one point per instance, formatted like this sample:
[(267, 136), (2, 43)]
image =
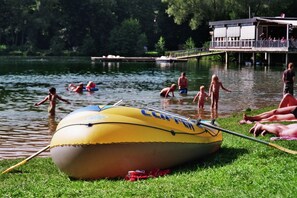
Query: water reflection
[(26, 129), (52, 124), (214, 114)]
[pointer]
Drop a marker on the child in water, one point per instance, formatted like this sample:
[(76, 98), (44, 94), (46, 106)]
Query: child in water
[(52, 98), (91, 85), (165, 92), (76, 88), (201, 95), (214, 90)]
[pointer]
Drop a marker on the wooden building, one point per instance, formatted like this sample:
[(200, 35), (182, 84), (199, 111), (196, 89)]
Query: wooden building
[(265, 36)]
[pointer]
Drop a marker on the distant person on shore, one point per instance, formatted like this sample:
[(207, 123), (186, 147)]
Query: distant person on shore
[(165, 92), (76, 88), (214, 90), (52, 98), (288, 79), (284, 132), (202, 96), (183, 83)]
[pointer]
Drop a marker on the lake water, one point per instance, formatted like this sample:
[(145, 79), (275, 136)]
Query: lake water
[(26, 129)]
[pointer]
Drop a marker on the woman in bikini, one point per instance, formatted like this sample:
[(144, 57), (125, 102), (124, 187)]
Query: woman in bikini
[(281, 114)]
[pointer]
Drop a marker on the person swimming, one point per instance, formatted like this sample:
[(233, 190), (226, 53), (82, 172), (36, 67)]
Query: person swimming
[(76, 88)]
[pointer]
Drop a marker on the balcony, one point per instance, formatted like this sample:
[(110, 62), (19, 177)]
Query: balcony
[(254, 45)]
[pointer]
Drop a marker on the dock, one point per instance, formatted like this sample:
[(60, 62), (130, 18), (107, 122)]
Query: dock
[(169, 59), (163, 59), (123, 59)]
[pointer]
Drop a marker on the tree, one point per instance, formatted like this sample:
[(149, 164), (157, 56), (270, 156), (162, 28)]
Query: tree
[(88, 47), (90, 25), (127, 39), (145, 11), (196, 12), (190, 44), (160, 46), (57, 45), (141, 46)]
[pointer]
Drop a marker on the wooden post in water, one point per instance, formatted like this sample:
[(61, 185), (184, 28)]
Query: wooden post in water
[(269, 61), (226, 57)]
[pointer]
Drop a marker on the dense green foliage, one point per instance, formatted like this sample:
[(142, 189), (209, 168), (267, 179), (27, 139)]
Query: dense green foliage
[(86, 27), (102, 27), (242, 168), (127, 39), (160, 46), (190, 44), (197, 12)]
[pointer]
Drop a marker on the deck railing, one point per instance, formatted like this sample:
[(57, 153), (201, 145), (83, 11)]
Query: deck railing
[(239, 44), (254, 44), (189, 52)]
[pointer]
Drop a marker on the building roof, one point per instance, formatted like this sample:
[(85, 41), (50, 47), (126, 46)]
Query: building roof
[(250, 21)]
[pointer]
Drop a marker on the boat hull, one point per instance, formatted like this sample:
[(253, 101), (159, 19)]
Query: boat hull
[(108, 143)]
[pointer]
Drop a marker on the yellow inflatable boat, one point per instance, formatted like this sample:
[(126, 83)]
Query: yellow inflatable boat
[(106, 142)]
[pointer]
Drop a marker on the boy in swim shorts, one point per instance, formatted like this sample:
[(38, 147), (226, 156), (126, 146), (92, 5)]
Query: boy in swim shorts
[(183, 83)]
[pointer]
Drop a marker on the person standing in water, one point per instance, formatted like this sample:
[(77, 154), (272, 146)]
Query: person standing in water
[(288, 79), (52, 98), (214, 90), (202, 96), (183, 83)]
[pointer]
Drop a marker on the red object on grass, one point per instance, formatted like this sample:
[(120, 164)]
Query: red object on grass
[(141, 174)]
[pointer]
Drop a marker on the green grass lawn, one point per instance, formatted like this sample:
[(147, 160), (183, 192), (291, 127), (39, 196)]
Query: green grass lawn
[(241, 168)]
